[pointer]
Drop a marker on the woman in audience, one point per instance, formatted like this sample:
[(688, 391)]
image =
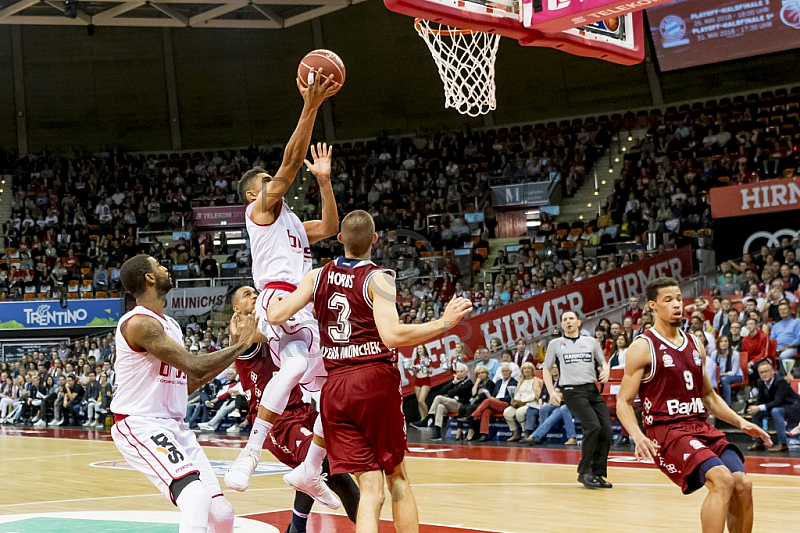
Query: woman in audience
[(9, 393), (620, 348), (422, 378), (47, 394), (730, 373), (505, 388), (528, 393), (481, 390)]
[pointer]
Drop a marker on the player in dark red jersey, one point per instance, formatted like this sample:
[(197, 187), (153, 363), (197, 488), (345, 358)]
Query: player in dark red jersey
[(362, 404), (664, 366), (290, 437)]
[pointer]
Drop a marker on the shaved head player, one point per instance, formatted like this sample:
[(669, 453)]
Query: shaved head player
[(154, 376), (664, 366), (362, 406)]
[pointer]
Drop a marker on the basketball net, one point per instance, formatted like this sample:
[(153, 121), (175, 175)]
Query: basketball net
[(465, 59)]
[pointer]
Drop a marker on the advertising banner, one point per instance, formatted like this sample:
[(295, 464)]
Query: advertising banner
[(534, 194), (219, 217), (194, 301), (540, 314), (699, 32), (755, 198), (551, 16), (50, 314)]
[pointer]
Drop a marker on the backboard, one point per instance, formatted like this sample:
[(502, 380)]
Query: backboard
[(620, 39)]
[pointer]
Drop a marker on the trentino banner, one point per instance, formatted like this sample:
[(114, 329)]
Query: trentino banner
[(51, 314)]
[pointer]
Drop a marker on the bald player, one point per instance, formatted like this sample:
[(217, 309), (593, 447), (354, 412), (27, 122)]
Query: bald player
[(361, 402)]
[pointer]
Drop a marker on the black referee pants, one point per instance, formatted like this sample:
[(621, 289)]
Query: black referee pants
[(587, 405)]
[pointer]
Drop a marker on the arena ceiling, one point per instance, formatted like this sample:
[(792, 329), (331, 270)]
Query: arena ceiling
[(248, 14)]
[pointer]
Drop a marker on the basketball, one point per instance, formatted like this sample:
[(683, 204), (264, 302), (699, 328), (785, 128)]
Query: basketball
[(330, 64), (612, 24)]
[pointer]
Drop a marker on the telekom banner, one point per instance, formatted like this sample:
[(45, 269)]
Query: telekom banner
[(540, 314), (755, 198), (552, 16), (218, 217)]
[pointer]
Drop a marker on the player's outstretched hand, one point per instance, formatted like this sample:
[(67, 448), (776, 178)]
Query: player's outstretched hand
[(321, 154), (244, 328), (456, 310), (316, 92), (646, 449), (755, 431), (603, 375)]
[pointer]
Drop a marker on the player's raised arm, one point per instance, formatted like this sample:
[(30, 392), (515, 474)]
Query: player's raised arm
[(637, 359), (717, 407), (383, 292), (316, 230), (145, 333), (282, 309), (274, 189)]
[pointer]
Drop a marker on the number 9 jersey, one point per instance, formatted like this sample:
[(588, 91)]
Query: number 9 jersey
[(347, 328)]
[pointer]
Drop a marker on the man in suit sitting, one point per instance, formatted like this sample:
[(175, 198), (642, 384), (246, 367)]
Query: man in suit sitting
[(504, 393), (776, 399), (453, 395)]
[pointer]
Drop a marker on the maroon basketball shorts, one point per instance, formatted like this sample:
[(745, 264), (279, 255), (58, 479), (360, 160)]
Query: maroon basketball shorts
[(362, 416), (290, 437), (683, 447)]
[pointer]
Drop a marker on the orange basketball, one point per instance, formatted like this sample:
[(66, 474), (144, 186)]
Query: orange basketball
[(330, 63)]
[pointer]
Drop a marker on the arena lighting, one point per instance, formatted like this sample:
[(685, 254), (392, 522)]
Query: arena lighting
[(296, 197), (616, 160), (596, 193), (603, 182), (630, 137), (71, 9), (299, 188), (624, 149), (589, 204), (579, 218), (610, 170)]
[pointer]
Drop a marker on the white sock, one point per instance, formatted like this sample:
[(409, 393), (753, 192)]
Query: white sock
[(258, 434), (314, 457), (221, 515), (194, 501)]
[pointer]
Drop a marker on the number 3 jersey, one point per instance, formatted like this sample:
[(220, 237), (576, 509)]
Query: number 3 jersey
[(673, 392), (146, 386), (344, 311)]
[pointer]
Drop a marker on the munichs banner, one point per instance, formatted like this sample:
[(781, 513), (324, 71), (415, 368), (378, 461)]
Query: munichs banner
[(540, 314), (194, 301)]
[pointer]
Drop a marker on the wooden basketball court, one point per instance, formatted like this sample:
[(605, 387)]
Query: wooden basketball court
[(80, 476)]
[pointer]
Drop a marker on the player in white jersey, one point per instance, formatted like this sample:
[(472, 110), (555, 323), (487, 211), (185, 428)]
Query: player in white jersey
[(154, 375), (280, 248)]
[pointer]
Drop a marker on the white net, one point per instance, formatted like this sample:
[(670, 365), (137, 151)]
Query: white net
[(465, 60)]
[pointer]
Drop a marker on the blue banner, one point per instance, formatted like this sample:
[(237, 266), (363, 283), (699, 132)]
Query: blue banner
[(49, 314)]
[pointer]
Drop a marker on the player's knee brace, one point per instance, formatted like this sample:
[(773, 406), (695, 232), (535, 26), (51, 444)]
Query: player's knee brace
[(318, 427), (221, 515), (294, 363)]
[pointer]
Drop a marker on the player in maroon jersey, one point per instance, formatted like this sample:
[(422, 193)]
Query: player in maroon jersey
[(290, 437), (362, 403), (664, 366)]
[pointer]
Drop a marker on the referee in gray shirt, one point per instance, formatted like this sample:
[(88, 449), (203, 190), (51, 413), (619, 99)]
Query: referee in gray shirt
[(579, 358)]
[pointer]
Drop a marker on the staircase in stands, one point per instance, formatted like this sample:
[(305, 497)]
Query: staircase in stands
[(6, 200), (599, 182)]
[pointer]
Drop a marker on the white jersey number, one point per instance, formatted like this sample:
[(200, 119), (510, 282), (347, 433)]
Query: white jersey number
[(687, 376), (341, 331)]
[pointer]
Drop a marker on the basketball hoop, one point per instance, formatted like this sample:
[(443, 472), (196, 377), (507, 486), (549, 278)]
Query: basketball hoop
[(465, 59)]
